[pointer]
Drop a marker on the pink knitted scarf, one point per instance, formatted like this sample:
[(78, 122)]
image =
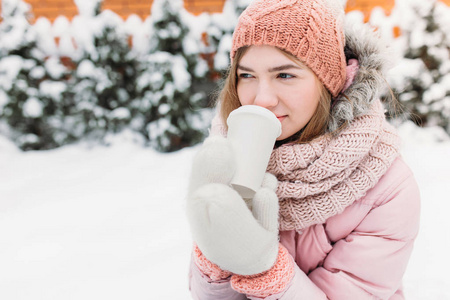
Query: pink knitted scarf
[(320, 179)]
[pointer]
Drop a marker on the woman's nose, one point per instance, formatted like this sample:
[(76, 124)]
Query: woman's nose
[(266, 96)]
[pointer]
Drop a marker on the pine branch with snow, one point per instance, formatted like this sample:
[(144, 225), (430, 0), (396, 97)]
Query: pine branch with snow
[(103, 82), (422, 77), (171, 101), (31, 91)]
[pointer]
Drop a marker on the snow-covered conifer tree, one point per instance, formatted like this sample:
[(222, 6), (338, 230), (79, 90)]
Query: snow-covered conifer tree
[(170, 101), (422, 78), (220, 32), (103, 82), (31, 94)]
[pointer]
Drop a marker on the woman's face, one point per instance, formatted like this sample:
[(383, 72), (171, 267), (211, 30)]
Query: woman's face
[(268, 78)]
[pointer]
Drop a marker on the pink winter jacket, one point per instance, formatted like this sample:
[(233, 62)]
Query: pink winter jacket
[(359, 254)]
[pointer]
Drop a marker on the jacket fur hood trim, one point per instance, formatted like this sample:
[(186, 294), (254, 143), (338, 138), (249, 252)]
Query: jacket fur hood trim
[(364, 45)]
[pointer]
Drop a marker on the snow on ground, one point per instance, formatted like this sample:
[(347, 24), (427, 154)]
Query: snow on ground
[(98, 222)]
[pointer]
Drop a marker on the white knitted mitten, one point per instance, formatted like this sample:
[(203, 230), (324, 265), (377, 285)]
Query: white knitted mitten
[(226, 231), (214, 162)]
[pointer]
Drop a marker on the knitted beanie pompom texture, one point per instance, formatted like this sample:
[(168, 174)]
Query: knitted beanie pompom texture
[(311, 30)]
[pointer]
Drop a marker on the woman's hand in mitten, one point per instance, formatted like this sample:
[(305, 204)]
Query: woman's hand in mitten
[(213, 163), (226, 231)]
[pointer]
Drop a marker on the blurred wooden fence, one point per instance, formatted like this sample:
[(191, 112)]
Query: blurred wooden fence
[(53, 8)]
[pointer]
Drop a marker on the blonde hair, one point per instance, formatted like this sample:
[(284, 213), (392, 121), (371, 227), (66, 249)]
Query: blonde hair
[(229, 101)]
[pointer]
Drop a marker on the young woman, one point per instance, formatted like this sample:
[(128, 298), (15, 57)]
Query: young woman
[(338, 211)]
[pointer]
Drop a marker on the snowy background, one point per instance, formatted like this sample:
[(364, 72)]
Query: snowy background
[(90, 221), (109, 222)]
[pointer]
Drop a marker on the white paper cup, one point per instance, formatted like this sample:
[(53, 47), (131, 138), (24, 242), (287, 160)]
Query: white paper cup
[(252, 131)]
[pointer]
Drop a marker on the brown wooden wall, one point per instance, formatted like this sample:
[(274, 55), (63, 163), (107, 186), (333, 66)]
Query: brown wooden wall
[(53, 8), (366, 6)]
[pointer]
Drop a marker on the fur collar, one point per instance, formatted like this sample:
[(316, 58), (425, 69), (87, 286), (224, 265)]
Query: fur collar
[(363, 44)]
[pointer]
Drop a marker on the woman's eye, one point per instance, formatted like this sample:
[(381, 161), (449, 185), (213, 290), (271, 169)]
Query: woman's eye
[(245, 75), (285, 76)]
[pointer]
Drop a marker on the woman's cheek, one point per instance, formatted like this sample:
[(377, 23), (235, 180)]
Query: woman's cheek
[(244, 98)]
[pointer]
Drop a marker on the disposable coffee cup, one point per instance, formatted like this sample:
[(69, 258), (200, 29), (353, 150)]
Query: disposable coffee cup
[(252, 131)]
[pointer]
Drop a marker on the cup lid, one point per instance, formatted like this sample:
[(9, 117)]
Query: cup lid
[(258, 110)]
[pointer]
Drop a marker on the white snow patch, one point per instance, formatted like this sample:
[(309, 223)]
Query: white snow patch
[(33, 108)]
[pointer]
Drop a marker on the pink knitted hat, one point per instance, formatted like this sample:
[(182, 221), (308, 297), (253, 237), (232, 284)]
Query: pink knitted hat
[(311, 30)]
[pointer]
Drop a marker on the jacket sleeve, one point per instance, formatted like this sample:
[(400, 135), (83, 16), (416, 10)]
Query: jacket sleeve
[(284, 281), (372, 259), (202, 287), (300, 287)]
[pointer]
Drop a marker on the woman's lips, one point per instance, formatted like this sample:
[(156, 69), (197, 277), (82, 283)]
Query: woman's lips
[(281, 118)]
